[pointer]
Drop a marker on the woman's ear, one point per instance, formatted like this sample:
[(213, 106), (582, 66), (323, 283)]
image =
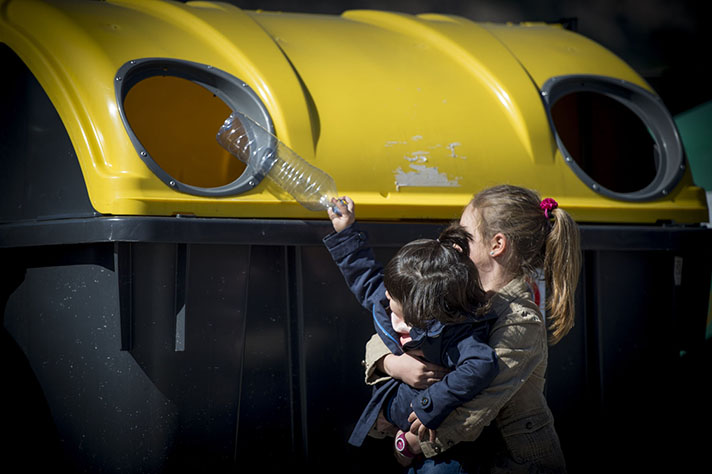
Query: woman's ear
[(498, 244)]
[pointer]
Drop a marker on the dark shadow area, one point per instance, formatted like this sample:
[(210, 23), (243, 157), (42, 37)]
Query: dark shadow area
[(29, 435)]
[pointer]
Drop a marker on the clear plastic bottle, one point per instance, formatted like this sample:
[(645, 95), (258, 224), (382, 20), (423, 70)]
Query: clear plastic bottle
[(266, 156)]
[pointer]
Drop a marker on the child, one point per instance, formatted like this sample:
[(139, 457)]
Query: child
[(433, 287)]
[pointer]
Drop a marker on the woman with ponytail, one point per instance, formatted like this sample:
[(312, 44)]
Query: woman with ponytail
[(508, 220), (428, 300), (515, 233)]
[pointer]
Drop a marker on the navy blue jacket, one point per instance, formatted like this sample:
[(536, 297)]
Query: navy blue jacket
[(457, 346)]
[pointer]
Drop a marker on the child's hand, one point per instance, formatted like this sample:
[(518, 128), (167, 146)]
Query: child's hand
[(418, 428), (413, 449), (345, 205)]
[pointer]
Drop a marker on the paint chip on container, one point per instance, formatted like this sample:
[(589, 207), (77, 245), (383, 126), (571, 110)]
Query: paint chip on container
[(426, 176)]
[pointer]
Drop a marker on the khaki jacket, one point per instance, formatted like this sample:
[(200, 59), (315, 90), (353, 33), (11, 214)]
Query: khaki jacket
[(515, 400)]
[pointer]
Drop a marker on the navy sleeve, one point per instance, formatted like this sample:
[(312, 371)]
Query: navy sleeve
[(364, 276), (399, 407), (475, 368)]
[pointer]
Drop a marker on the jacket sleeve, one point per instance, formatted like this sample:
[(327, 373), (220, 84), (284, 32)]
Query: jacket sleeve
[(352, 254), (364, 276), (376, 349), (520, 344), (475, 367)]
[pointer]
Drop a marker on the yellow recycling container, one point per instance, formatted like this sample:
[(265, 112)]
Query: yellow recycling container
[(410, 115)]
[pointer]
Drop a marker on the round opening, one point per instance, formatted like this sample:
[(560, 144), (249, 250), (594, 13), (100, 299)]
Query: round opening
[(607, 140), (173, 110), (176, 121), (617, 137)]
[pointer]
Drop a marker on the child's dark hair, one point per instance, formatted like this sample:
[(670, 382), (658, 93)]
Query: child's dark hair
[(436, 280)]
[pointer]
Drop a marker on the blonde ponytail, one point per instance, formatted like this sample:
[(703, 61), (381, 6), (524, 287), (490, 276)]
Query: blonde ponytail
[(562, 265)]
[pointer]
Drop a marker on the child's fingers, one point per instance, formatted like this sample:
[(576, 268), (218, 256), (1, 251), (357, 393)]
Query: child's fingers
[(336, 208), (332, 215), (343, 204), (349, 203)]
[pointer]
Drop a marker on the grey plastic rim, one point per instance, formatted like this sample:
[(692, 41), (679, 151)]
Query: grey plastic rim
[(670, 158), (234, 92)]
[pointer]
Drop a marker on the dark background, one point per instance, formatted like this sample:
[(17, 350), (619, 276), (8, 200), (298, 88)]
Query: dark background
[(666, 41)]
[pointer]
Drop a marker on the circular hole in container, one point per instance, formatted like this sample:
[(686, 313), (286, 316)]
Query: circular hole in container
[(609, 142), (176, 120), (616, 136)]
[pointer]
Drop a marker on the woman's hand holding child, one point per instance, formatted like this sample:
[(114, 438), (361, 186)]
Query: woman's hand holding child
[(411, 369), (417, 428)]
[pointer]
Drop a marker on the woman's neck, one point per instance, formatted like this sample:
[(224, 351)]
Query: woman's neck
[(495, 278)]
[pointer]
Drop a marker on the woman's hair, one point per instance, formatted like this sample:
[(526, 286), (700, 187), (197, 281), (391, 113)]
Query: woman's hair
[(537, 238), (435, 279)]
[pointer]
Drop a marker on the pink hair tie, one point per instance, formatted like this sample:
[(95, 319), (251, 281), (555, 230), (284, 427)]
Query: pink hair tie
[(547, 205)]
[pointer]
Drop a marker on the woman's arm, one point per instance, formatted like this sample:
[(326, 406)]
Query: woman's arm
[(381, 364), (374, 360), (475, 366)]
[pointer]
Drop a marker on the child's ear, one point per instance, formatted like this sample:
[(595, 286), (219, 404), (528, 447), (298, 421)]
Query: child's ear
[(388, 295)]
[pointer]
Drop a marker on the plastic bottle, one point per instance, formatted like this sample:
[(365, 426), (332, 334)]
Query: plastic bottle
[(267, 156)]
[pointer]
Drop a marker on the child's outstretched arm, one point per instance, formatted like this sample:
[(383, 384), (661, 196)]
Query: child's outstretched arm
[(349, 248), (345, 205)]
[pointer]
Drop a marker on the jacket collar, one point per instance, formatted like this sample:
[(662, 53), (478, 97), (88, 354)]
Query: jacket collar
[(435, 328), (516, 289)]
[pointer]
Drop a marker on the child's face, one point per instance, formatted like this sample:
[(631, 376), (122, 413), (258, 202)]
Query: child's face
[(395, 306)]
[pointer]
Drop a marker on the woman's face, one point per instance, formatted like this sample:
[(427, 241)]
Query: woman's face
[(479, 251)]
